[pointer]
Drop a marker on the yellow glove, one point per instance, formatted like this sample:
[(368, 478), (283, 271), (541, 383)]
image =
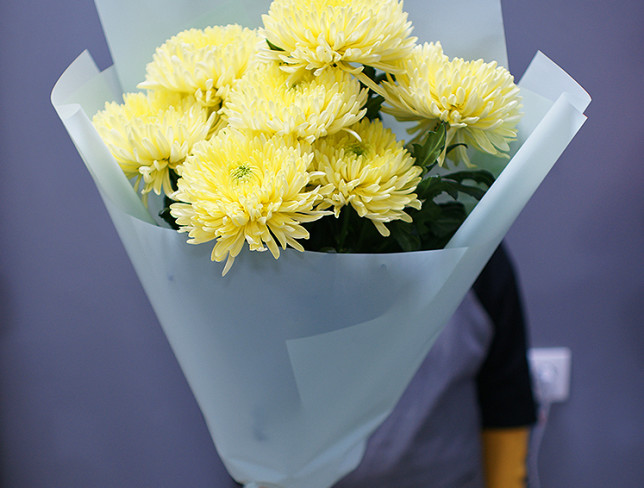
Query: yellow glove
[(504, 457)]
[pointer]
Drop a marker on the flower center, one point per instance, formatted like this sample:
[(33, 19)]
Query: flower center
[(241, 173), (356, 148)]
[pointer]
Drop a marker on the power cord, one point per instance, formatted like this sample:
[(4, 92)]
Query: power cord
[(544, 378)]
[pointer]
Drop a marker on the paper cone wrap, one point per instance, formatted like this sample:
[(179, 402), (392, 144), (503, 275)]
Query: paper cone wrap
[(295, 362)]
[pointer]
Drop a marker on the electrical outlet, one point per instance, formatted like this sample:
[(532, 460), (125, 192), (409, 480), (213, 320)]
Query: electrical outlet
[(551, 373)]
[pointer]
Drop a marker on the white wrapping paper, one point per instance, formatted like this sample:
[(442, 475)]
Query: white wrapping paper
[(295, 362)]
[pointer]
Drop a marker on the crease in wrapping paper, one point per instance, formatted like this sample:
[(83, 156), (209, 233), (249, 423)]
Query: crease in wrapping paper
[(352, 329)]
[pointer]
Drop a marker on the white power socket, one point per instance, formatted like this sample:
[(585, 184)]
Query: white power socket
[(551, 373)]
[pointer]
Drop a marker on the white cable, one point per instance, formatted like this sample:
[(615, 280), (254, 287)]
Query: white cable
[(544, 377), (535, 445)]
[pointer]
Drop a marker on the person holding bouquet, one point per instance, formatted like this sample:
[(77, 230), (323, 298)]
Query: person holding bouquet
[(287, 138)]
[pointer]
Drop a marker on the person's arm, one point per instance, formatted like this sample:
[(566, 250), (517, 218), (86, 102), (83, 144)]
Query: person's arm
[(504, 457), (504, 383)]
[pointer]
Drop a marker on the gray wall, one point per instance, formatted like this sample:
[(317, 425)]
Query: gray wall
[(90, 394), (580, 241)]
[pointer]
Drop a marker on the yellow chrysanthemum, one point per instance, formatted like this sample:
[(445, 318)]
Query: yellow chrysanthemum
[(149, 135), (265, 100), (240, 189), (478, 100), (375, 175), (203, 63), (315, 34)]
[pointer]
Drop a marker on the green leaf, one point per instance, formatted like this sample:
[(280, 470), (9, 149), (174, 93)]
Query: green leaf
[(373, 74), (454, 146), (438, 225), (452, 215), (405, 235), (428, 152), (479, 176), (373, 106), (370, 71), (273, 47), (374, 100), (432, 186), (167, 201), (167, 216)]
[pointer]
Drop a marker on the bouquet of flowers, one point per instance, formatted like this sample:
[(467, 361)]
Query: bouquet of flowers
[(291, 138)]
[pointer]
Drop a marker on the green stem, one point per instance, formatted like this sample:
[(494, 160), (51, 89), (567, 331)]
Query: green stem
[(344, 229), (363, 233)]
